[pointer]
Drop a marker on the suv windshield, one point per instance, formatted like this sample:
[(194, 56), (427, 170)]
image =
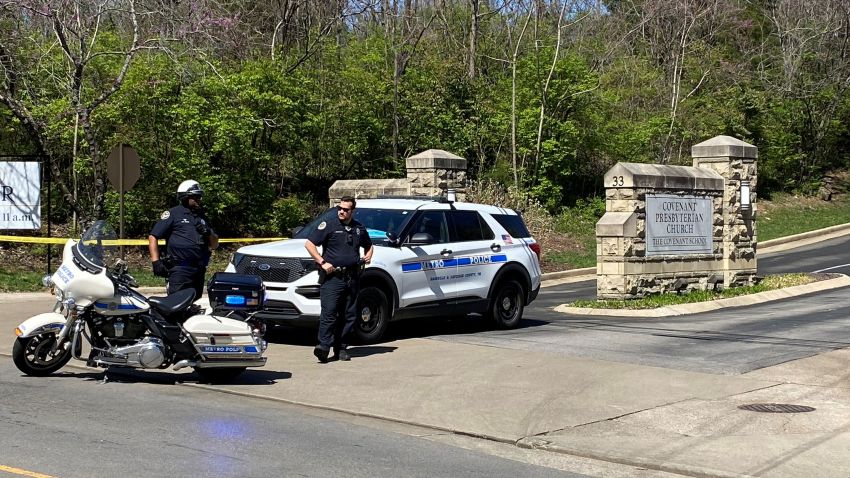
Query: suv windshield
[(377, 221)]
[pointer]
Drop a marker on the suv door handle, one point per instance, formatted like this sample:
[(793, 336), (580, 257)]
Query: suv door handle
[(495, 247), (445, 252)]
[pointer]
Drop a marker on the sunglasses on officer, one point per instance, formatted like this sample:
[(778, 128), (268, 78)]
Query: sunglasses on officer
[(344, 209)]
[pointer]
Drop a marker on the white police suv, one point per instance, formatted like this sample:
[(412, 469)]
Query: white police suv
[(433, 258)]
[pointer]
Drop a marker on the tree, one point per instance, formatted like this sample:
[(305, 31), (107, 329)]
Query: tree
[(50, 83)]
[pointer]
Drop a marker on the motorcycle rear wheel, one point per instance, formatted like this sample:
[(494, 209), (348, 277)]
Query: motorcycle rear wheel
[(218, 375), (33, 355)]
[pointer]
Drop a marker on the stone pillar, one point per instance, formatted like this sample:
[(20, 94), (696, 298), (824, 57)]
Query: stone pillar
[(735, 161), (432, 172), (625, 268)]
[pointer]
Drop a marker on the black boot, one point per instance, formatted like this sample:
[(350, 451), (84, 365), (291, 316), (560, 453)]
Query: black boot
[(321, 353)]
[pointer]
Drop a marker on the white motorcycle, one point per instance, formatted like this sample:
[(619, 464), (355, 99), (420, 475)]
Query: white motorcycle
[(124, 328)]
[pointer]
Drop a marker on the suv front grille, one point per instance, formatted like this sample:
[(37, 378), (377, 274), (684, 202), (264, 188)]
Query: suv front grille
[(275, 269)]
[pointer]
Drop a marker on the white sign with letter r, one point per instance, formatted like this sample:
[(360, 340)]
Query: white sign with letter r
[(20, 195)]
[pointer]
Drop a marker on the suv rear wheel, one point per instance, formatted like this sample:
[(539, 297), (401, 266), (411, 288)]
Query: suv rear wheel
[(507, 305), (373, 315)]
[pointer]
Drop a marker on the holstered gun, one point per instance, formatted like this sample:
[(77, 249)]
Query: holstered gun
[(323, 276), (168, 261)]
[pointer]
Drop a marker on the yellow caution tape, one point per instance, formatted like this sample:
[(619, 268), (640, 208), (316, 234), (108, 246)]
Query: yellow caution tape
[(253, 239), (123, 242), (34, 240)]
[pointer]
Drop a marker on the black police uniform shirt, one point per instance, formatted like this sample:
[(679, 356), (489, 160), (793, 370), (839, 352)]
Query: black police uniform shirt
[(341, 242), (183, 241)]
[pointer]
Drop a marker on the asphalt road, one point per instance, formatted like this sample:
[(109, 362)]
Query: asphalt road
[(74, 424), (730, 341)]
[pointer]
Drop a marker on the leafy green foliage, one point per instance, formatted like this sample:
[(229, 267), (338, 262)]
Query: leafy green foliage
[(288, 213), (264, 135)]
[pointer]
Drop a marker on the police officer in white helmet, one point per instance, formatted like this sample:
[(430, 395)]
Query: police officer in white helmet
[(189, 241)]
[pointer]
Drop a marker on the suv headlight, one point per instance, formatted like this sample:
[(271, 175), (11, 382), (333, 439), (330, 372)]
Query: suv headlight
[(236, 258)]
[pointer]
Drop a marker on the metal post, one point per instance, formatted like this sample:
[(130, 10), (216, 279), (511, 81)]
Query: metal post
[(121, 193), (48, 173)]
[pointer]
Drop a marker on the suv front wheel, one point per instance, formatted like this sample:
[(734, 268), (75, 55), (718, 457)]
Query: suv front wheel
[(507, 305), (373, 315)]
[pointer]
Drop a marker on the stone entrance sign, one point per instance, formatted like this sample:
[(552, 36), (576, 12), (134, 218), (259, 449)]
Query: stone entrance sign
[(679, 228), (678, 225)]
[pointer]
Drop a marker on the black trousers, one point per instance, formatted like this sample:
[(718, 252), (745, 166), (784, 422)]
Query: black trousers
[(338, 296), (184, 277)]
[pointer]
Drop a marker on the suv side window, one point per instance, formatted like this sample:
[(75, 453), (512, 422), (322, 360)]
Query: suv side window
[(470, 226), (434, 223), (513, 224)]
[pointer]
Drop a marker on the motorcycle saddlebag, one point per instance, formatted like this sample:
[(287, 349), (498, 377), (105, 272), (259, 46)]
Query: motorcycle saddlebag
[(230, 291)]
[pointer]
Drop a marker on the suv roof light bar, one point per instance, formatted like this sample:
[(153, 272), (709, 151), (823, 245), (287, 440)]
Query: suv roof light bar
[(440, 199)]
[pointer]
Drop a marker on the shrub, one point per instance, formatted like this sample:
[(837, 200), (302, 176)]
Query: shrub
[(536, 217), (289, 212)]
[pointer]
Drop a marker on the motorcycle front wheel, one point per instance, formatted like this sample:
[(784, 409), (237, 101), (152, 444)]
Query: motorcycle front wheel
[(35, 355)]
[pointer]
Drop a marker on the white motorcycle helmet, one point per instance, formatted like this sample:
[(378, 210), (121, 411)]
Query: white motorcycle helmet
[(188, 188)]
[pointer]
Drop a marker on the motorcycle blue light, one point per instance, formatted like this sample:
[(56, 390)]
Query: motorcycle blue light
[(234, 300)]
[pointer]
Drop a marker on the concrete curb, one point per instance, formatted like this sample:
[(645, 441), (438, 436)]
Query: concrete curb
[(833, 231), (540, 443), (682, 309), (568, 273)]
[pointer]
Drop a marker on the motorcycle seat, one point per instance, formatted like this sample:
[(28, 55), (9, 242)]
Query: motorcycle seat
[(173, 304)]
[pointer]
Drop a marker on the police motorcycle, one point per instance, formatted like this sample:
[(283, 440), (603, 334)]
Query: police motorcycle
[(123, 328)]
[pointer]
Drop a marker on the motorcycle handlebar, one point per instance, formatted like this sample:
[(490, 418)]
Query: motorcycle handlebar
[(119, 272)]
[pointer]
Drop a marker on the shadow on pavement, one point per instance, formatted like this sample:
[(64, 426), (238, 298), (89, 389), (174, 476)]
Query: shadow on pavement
[(457, 325), (125, 375), (400, 330), (129, 375), (259, 377), (367, 350)]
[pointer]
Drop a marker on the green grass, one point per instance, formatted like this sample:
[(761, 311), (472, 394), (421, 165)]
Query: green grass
[(579, 224), (586, 257), (20, 281), (789, 216), (662, 300)]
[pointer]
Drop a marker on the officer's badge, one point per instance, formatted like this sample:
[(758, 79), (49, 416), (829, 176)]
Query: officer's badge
[(322, 226), (165, 215)]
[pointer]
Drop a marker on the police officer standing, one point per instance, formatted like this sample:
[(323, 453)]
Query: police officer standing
[(189, 242), (340, 262)]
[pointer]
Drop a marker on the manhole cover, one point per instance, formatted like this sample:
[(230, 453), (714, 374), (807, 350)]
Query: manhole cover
[(776, 408)]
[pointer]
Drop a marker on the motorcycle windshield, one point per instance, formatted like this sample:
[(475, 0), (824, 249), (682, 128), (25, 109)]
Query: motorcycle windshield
[(98, 244)]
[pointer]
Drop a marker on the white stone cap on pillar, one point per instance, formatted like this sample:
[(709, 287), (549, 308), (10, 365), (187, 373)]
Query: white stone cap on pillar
[(435, 159), (617, 224), (368, 188), (642, 175), (724, 146)]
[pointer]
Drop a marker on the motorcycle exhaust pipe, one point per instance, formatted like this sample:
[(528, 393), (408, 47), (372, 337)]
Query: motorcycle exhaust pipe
[(184, 363)]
